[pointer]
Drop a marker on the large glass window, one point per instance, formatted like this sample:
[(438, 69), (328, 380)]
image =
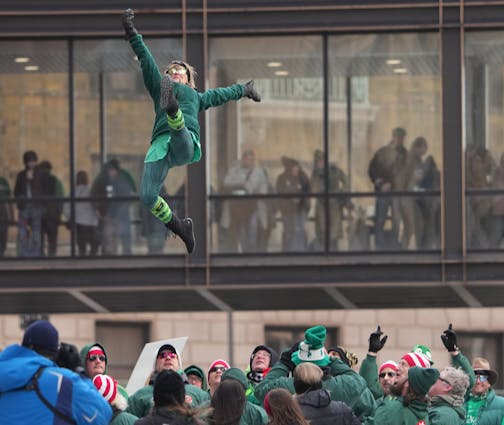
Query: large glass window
[(484, 142), (263, 149), (34, 159), (380, 142), (384, 137), (114, 118)]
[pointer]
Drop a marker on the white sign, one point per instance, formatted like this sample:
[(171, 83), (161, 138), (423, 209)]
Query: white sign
[(145, 364)]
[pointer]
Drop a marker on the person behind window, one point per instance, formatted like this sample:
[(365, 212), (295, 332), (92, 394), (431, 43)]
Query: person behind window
[(6, 213), (53, 209), (294, 210), (175, 135), (338, 182), (244, 221), (385, 173), (412, 175), (31, 185)]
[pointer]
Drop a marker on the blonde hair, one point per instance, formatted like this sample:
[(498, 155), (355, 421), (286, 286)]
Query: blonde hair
[(308, 373), (191, 72)]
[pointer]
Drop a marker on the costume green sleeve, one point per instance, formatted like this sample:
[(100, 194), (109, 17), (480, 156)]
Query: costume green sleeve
[(369, 371), (124, 418), (219, 96), (150, 70), (198, 396), (463, 363)]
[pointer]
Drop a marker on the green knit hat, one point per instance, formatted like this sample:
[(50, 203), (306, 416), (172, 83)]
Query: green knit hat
[(237, 375), (312, 348), (421, 379), (423, 349)]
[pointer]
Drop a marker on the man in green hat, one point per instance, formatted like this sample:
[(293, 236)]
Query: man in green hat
[(339, 379), (410, 408)]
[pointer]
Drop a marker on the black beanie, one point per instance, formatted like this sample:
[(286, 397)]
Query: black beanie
[(42, 337), (274, 355), (169, 389)]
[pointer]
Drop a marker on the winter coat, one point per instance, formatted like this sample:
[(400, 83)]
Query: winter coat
[(67, 391), (344, 385), (492, 411), (443, 413), (25, 189), (392, 411), (123, 418), (319, 409), (190, 103), (164, 416), (369, 371), (387, 165), (461, 361), (141, 402)]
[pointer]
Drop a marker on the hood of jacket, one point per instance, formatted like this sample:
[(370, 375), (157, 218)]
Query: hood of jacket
[(196, 370), (84, 352), (316, 398), (17, 366)]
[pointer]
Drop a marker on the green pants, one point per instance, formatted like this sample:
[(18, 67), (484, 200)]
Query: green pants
[(180, 152)]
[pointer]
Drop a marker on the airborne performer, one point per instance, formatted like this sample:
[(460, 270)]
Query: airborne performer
[(175, 136)]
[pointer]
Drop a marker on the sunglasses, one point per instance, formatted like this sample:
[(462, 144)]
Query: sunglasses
[(481, 378), (216, 368), (389, 374), (179, 71), (261, 354), (167, 354), (94, 357)]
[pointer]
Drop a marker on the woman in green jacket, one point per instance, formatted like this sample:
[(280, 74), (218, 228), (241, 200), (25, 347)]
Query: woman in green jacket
[(176, 133)]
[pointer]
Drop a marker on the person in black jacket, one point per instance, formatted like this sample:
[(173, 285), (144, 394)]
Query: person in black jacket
[(315, 401)]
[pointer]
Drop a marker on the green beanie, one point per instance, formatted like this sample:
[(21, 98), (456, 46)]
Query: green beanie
[(422, 379), (312, 348), (237, 375), (423, 349)]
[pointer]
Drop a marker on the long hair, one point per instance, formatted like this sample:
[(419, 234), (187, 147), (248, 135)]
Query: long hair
[(228, 403), (283, 409)]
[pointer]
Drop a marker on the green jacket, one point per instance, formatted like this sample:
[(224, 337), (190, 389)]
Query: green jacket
[(463, 363), (491, 411), (141, 402), (344, 384), (369, 371), (123, 418), (392, 411), (190, 101), (443, 413), (253, 415)]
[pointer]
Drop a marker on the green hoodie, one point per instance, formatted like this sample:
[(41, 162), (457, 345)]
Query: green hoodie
[(252, 414), (196, 370), (83, 355)]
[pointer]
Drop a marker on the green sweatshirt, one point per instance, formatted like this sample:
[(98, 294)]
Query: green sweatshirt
[(190, 101)]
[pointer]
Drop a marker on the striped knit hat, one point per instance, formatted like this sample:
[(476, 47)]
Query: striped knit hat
[(389, 364), (416, 359)]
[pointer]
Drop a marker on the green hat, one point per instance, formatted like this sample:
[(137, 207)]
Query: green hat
[(237, 375), (312, 348), (399, 132), (422, 379), (423, 349)]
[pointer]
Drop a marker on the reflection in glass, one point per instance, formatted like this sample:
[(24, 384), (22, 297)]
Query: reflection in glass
[(484, 143), (385, 127)]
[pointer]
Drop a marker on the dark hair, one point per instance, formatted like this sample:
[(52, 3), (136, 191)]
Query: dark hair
[(29, 156), (412, 394), (168, 389), (283, 408), (224, 411), (82, 178)]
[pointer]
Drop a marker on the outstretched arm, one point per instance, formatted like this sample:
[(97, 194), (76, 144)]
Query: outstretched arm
[(221, 95), (150, 71)]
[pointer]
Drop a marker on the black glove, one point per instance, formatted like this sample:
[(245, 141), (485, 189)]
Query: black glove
[(68, 357), (286, 357), (250, 91), (375, 343), (449, 339), (127, 21)]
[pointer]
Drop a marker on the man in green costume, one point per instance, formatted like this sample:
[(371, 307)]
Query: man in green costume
[(175, 137)]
